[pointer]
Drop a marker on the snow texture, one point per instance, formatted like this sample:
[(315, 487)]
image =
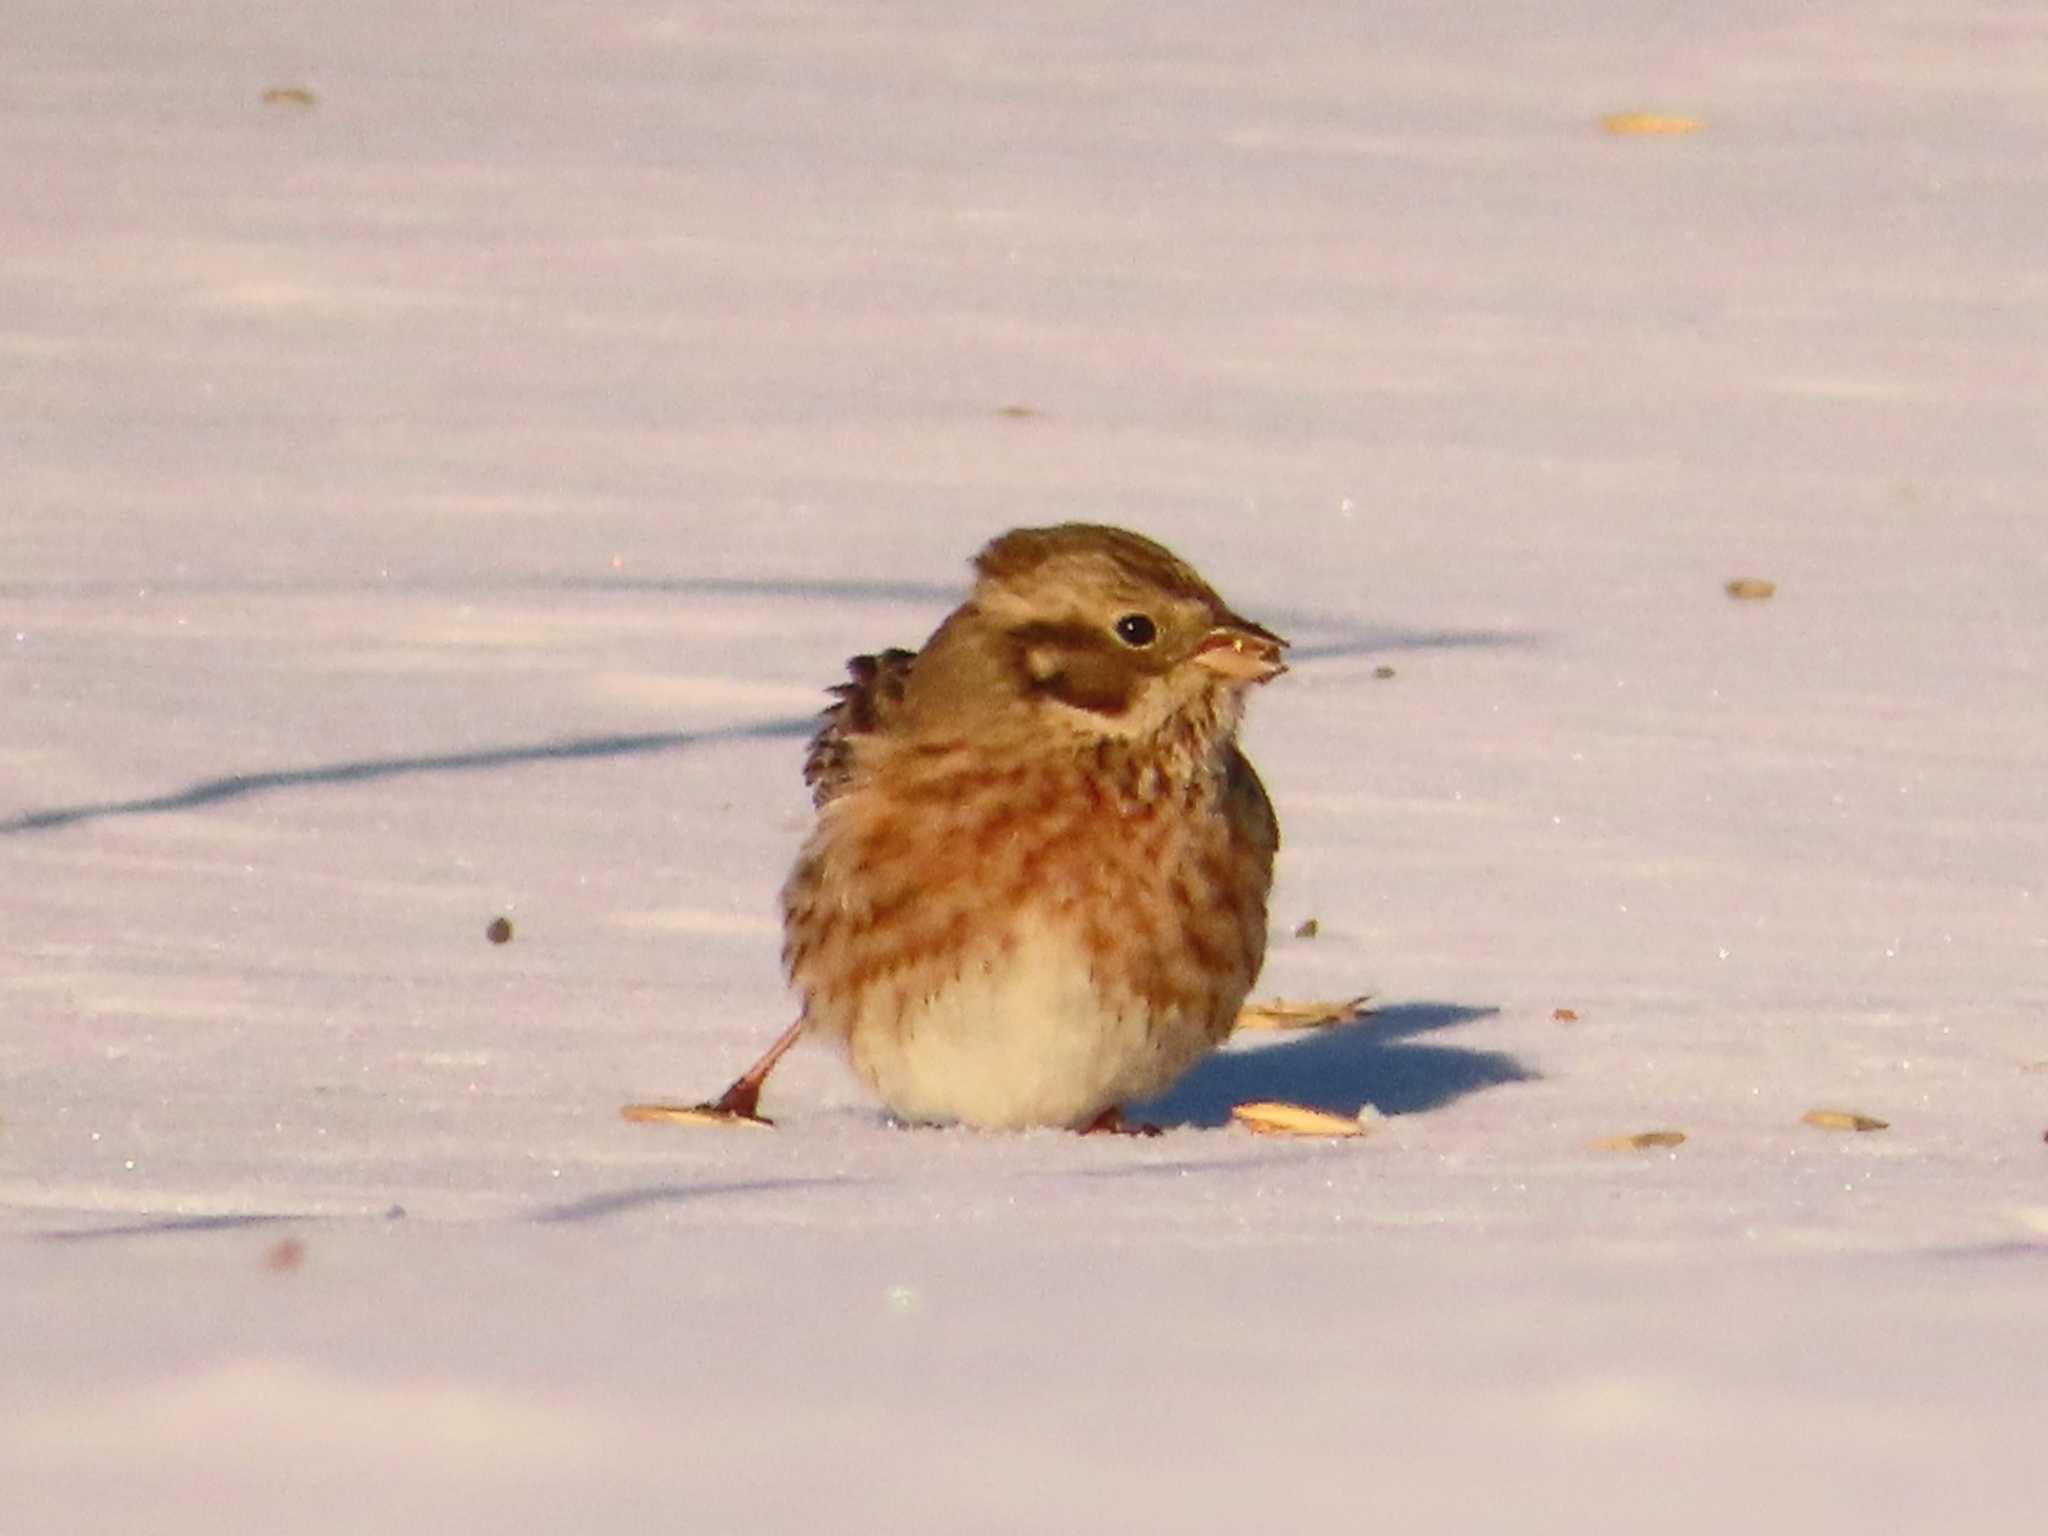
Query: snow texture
[(446, 496)]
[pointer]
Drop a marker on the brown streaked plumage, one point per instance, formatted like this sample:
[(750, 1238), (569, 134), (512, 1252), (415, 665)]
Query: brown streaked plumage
[(1036, 888)]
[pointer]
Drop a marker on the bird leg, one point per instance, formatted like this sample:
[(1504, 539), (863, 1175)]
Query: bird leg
[(742, 1100), (1111, 1122), (740, 1104)]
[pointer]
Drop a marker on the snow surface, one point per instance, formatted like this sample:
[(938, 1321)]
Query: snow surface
[(449, 499)]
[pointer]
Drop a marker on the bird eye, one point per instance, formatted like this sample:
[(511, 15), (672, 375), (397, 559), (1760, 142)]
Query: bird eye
[(1137, 631)]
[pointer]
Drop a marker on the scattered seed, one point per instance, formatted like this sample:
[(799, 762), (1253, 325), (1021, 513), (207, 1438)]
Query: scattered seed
[(284, 1256), (1271, 1117), (500, 930), (1650, 125), (1640, 1141), (1751, 589), (902, 1299), (1308, 928), (1565, 1015), (1016, 412), (687, 1114), (296, 97), (1283, 1014), (1843, 1120)]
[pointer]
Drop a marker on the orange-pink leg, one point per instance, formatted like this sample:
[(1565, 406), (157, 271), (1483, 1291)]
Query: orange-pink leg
[(743, 1099), (1111, 1122)]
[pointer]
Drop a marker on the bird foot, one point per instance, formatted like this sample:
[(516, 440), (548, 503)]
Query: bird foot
[(738, 1105), (1111, 1122)]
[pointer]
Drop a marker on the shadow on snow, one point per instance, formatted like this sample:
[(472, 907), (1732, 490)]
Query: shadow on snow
[(1374, 1061), (236, 786), (1344, 639)]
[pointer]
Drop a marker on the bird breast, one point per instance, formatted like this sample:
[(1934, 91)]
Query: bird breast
[(1094, 913)]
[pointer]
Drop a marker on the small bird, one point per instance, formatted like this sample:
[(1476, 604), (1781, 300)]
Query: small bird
[(1036, 886)]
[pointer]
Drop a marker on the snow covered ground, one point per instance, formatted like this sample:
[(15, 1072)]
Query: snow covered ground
[(449, 497)]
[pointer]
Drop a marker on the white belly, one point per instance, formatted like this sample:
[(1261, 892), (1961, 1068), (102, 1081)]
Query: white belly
[(1024, 1040)]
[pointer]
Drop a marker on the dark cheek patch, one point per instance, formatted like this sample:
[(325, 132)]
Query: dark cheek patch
[(1077, 667), (1086, 683)]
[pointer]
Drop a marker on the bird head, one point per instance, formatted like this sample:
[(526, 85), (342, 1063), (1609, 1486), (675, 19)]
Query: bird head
[(1096, 632)]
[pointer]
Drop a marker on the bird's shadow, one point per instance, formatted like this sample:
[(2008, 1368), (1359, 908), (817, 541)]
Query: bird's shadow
[(1341, 639), (237, 786), (165, 1226), (619, 1201), (1372, 1061)]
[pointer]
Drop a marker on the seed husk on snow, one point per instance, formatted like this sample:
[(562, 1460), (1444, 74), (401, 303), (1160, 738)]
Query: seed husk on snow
[(1638, 1141), (686, 1114), (1281, 1013), (1843, 1120), (1650, 125), (1751, 589), (1273, 1117)]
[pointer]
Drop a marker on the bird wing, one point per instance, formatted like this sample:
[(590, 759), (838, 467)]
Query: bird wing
[(868, 704), (1251, 811)]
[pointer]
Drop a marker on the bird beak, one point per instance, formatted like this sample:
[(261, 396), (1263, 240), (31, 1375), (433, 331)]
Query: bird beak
[(1240, 651)]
